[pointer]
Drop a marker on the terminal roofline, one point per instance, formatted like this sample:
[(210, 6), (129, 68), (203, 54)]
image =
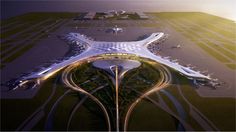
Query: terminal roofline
[(96, 48)]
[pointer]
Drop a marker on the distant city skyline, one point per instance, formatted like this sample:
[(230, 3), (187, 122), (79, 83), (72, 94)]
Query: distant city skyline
[(223, 8)]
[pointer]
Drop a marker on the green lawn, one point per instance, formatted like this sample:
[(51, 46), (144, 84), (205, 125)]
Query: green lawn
[(88, 120), (213, 52), (198, 26), (148, 117), (221, 111), (15, 111), (18, 53), (232, 66), (30, 19)]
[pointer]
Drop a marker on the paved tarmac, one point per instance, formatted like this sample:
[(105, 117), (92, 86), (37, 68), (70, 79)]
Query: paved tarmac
[(53, 48)]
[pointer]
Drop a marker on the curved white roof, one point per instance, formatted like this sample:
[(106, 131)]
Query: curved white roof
[(132, 47)]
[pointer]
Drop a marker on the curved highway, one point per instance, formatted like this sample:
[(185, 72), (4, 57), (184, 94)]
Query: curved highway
[(80, 103), (165, 80), (67, 79)]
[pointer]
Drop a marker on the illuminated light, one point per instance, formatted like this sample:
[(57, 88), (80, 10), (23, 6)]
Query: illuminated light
[(50, 74), (133, 50), (23, 82), (44, 71)]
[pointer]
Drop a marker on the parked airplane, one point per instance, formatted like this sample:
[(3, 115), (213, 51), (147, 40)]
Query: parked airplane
[(175, 60), (117, 29), (176, 46), (167, 57)]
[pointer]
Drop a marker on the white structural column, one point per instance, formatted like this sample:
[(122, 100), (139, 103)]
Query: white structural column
[(117, 100)]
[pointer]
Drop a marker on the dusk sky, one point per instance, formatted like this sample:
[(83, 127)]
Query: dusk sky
[(224, 8)]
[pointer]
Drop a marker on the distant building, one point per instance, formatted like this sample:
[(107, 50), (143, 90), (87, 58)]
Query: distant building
[(131, 13), (78, 17), (124, 17), (121, 12), (101, 17), (142, 15), (90, 15), (115, 12), (111, 13), (108, 15)]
